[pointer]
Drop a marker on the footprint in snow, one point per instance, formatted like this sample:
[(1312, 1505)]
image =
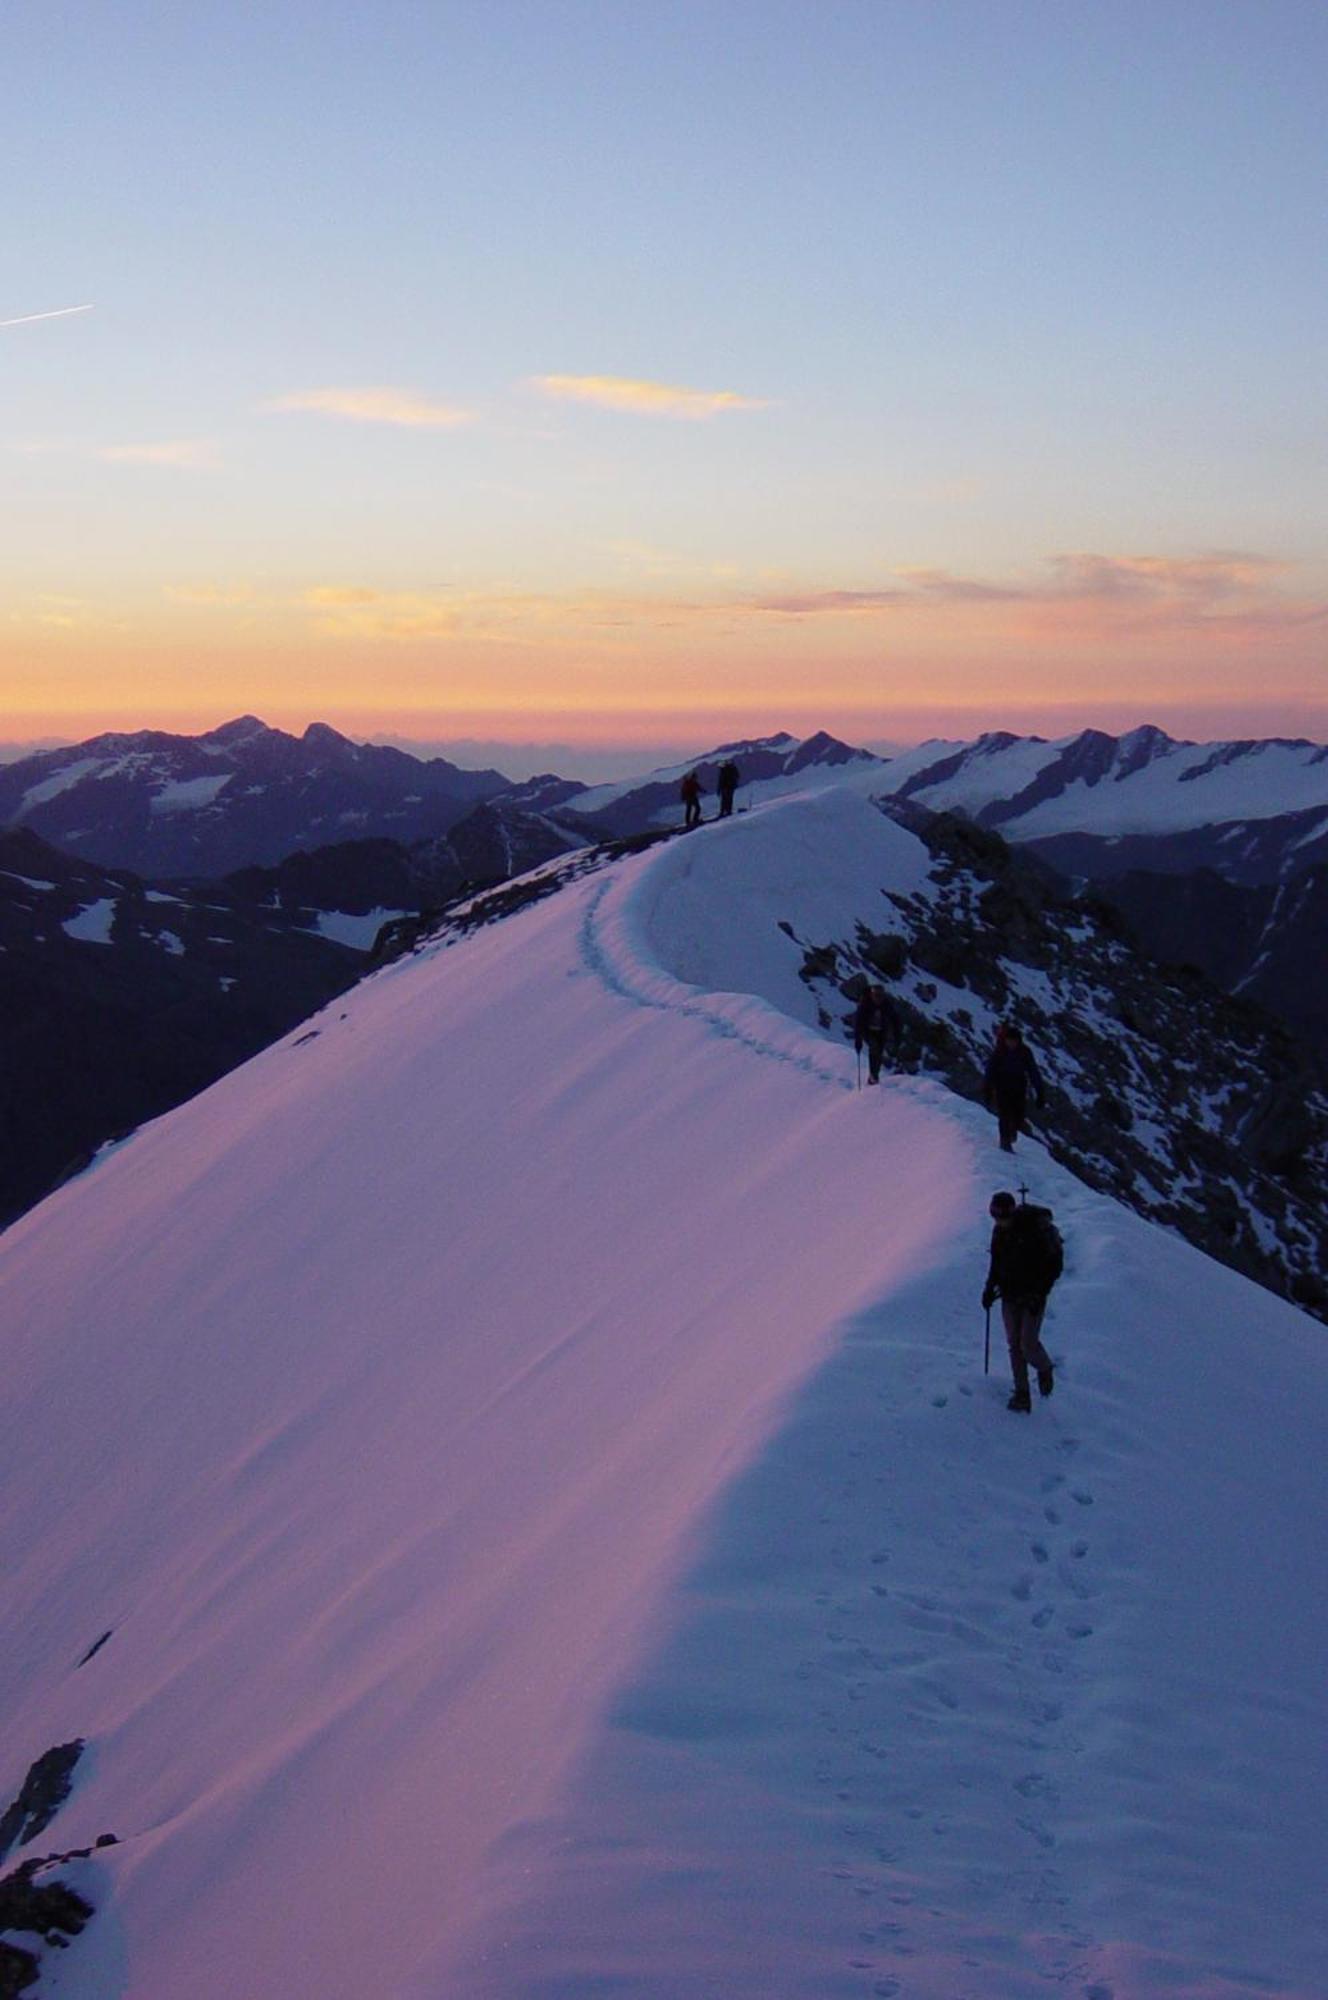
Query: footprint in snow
[(1084, 1499), (1032, 1786), (939, 1402), (1050, 1514), (1052, 1481), (1038, 1552), (1023, 1589), (1080, 1631), (1043, 1618)]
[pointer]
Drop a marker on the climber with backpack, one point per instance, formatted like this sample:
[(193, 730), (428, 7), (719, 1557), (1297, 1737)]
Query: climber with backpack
[(1027, 1258), (1010, 1074)]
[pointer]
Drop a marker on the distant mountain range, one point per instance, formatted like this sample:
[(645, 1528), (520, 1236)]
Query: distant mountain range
[(1100, 805), (238, 796), (245, 795)]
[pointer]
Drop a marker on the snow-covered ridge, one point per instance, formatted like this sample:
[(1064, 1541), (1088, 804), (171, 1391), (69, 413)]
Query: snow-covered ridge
[(529, 1518), (404, 1362), (1142, 782)]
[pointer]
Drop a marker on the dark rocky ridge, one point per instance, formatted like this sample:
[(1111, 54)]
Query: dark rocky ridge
[(1193, 1107), (98, 1033)]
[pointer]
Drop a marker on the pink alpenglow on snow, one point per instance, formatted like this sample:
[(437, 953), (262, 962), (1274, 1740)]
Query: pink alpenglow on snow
[(527, 1443)]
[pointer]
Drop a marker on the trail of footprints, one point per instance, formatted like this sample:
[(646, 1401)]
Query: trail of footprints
[(1055, 1590), (1046, 1553)]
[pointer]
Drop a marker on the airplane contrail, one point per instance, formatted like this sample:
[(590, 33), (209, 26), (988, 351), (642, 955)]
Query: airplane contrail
[(61, 312)]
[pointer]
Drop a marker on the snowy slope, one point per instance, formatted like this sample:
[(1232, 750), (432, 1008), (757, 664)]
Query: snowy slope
[(527, 1442), (392, 1376)]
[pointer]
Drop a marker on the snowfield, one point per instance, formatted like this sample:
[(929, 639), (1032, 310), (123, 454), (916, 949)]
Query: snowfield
[(525, 1437)]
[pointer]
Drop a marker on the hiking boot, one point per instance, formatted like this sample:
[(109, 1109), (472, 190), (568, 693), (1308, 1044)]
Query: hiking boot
[(1021, 1400), (1046, 1380)]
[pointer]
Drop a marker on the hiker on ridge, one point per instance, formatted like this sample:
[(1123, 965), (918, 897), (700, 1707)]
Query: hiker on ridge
[(1011, 1072), (689, 791), (727, 785), (1026, 1259), (874, 1020)]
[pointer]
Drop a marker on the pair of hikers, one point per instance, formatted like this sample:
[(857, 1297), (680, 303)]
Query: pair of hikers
[(726, 785)]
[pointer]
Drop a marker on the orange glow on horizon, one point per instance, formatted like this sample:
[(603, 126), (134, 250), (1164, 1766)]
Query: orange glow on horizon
[(1090, 639)]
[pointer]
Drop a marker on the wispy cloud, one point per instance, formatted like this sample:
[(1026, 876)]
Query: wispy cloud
[(1155, 589), (648, 399), (59, 312), (181, 454), (219, 595), (400, 407), (1206, 578), (1226, 598), (352, 611)]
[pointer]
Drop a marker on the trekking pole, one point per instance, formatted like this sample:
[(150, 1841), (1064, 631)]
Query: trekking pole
[(859, 1069), (986, 1346)]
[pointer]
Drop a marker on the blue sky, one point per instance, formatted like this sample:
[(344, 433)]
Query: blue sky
[(987, 286)]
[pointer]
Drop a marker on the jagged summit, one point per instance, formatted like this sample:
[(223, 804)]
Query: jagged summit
[(241, 730)]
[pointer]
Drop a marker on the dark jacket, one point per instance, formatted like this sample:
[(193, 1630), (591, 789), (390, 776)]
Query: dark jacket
[(1010, 1073), (874, 1020), (727, 781), (1026, 1257)]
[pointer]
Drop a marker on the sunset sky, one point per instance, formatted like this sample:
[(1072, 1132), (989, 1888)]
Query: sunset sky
[(641, 372)]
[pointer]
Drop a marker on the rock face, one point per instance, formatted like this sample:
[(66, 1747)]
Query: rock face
[(49, 1910), (43, 1792), (1192, 1106), (120, 998), (1262, 942)]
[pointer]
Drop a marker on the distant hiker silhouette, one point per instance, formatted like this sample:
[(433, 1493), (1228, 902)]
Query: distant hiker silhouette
[(1026, 1259), (874, 1020), (1011, 1072), (727, 785), (689, 791)]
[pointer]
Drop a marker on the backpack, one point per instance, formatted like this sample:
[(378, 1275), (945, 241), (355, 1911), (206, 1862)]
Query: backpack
[(1043, 1246)]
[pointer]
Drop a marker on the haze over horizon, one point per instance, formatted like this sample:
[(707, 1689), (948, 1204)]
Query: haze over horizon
[(678, 376)]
